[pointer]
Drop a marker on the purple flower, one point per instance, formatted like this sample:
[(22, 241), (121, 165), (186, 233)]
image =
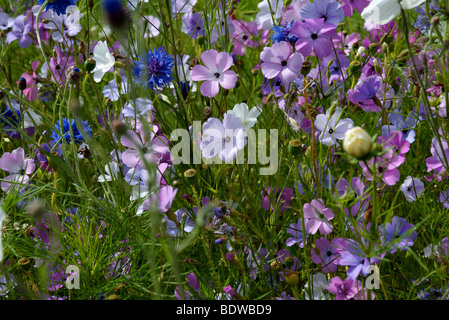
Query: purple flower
[(281, 200), (295, 229), (329, 10), (193, 25), (439, 157), (319, 217), (345, 290), (369, 92), (327, 254), (331, 127), (396, 234), (244, 36), (224, 139), (5, 21), (353, 195), (278, 61), (353, 255), (314, 35), (348, 6), (162, 199), (173, 227), (18, 166), (20, 31), (215, 73), (412, 188), (385, 166), (151, 144), (400, 124)]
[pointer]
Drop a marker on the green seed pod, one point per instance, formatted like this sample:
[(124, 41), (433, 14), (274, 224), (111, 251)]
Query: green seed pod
[(90, 64)]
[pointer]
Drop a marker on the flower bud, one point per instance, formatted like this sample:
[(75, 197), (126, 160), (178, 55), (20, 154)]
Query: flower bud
[(357, 143), (190, 175), (289, 262), (306, 66), (119, 127), (294, 147), (22, 83), (292, 279), (90, 64), (73, 74)]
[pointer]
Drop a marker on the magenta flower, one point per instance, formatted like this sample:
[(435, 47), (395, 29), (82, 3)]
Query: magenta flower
[(314, 35), (152, 145), (278, 61), (19, 167), (60, 65), (215, 73), (318, 216), (348, 6), (281, 200), (31, 90), (244, 36)]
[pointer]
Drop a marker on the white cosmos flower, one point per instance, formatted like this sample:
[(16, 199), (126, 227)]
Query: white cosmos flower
[(383, 11), (269, 10), (112, 169), (249, 118), (28, 115), (104, 60)]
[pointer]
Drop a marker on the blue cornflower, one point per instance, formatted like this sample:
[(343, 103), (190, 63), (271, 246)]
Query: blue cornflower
[(116, 13), (56, 134), (58, 6), (283, 34), (13, 116), (155, 70)]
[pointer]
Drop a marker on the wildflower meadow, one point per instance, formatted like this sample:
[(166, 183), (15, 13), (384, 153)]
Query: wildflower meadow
[(224, 150)]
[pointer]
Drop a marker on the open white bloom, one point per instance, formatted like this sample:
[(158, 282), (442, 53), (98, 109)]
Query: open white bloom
[(249, 118), (357, 142), (383, 11), (104, 60), (153, 27), (28, 115), (319, 285), (2, 217), (112, 169), (269, 10)]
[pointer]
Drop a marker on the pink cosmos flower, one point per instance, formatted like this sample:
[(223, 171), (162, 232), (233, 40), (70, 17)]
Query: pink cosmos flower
[(319, 217), (215, 73), (278, 61), (19, 167)]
